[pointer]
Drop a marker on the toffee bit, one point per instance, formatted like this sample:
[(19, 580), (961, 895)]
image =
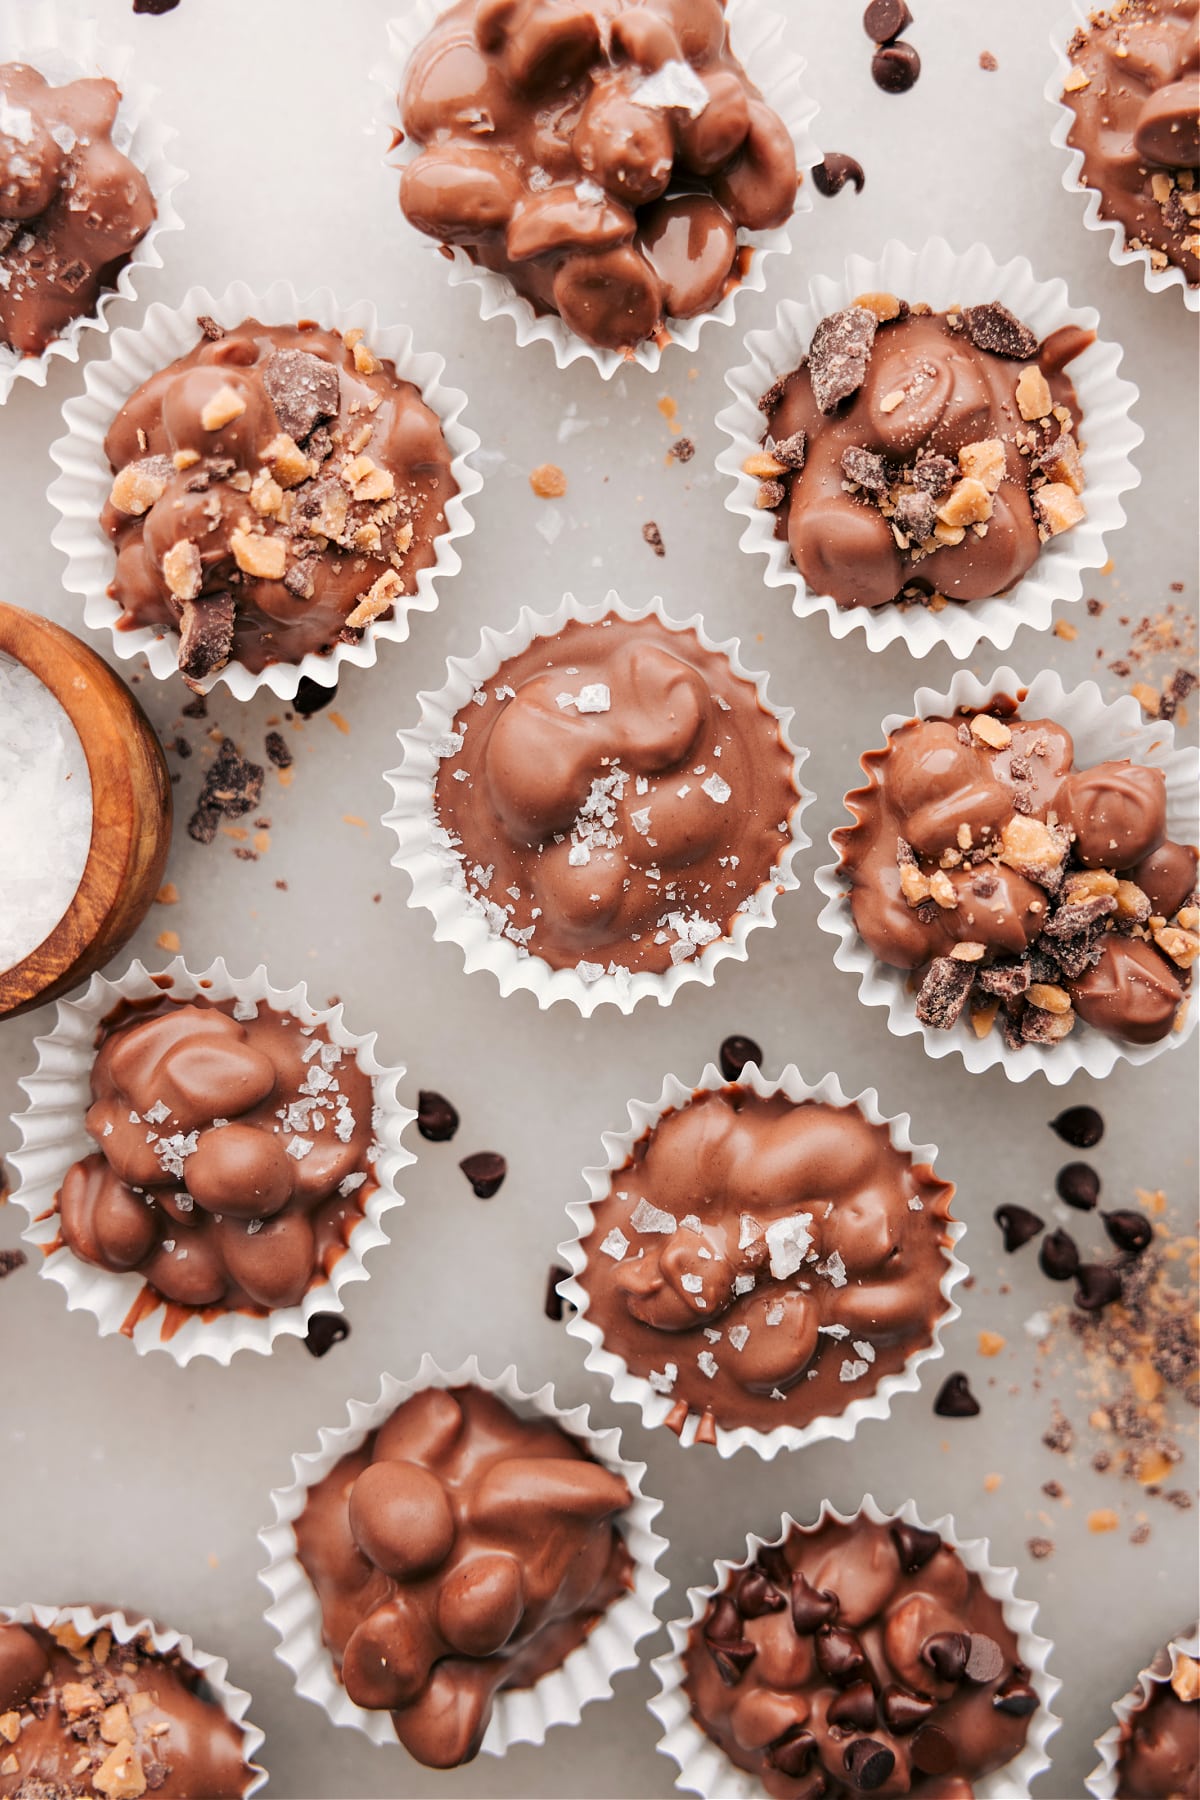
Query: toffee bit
[(11, 1261), (277, 750), (682, 450), (653, 536)]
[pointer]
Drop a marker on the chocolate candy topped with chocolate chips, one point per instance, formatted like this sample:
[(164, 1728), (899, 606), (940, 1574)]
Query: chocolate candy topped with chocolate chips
[(72, 206), (893, 1686), (1159, 1757), (233, 1156), (276, 490), (88, 1716), (941, 452), (603, 156), (1134, 88), (615, 796), (461, 1551), (1012, 881), (767, 1262)]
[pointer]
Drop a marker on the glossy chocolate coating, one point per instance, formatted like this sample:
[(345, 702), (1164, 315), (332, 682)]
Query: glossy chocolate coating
[(1160, 1743), (796, 1233), (898, 1634), (949, 796), (333, 540), (630, 834), (460, 1551), (601, 155), (928, 391), (1137, 123), (201, 1180), (72, 207), (140, 1722)]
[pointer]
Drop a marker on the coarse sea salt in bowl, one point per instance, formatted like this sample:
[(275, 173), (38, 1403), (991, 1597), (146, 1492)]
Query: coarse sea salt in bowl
[(45, 811)]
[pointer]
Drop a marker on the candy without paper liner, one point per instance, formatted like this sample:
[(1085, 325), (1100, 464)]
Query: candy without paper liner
[(706, 1771), (656, 1405), (757, 34), (53, 1139), (432, 862), (1104, 1781), (45, 812), (520, 1715), (1101, 731), (942, 277)]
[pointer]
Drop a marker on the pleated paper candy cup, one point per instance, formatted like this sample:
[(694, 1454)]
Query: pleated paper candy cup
[(520, 1715), (631, 1389), (706, 1770), (758, 38), (943, 278), (1102, 731), (53, 1138), (79, 492), (1104, 1780)]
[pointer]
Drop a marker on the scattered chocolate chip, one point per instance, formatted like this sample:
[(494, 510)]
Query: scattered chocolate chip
[(485, 1170), (840, 1655), (955, 1399), (1079, 1185), (735, 1053), (811, 1607), (992, 327), (985, 1659), (1096, 1286), (756, 1596), (437, 1120), (946, 1653), (868, 1763), (932, 1752), (553, 1304), (1080, 1126), (311, 696), (1129, 1231), (1018, 1224), (839, 354), (854, 1710), (895, 67), (10, 1261), (1016, 1697), (903, 1711), (886, 19), (682, 450), (915, 1546), (324, 1331), (277, 751), (303, 389), (653, 537), (834, 171), (793, 1754), (1058, 1256)]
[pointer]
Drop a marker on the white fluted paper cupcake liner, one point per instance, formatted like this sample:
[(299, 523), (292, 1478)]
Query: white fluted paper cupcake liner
[(707, 1771), (426, 855), (635, 1390), (520, 1715), (1102, 731), (943, 277), (1103, 1781), (758, 36), (53, 1137), (233, 1701), (1157, 281), (168, 332), (63, 45)]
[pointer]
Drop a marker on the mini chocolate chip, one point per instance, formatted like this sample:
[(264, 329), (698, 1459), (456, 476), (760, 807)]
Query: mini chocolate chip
[(756, 1596), (735, 1053), (868, 1763), (955, 1399), (1129, 1231), (311, 696), (1018, 1224), (1016, 1697), (915, 1546), (811, 1607), (1058, 1256), (986, 1659), (732, 1660), (932, 1752), (895, 67), (1096, 1286), (793, 1754), (437, 1120), (554, 1302), (485, 1170), (946, 1653), (854, 1710), (886, 19), (840, 1655), (834, 171), (1080, 1126), (903, 1711), (1079, 1185), (324, 1331)]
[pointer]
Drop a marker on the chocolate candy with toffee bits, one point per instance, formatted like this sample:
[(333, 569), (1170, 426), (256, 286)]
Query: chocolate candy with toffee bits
[(461, 1551), (940, 452), (767, 1262), (1160, 1741), (1024, 891), (897, 1682), (602, 156), (275, 491)]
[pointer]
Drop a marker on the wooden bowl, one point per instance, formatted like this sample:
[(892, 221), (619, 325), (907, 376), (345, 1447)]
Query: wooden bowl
[(131, 812)]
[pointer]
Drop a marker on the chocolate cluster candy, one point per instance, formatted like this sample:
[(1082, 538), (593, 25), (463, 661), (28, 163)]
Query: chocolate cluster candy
[(461, 1551), (859, 1659), (1134, 88), (233, 1156), (602, 155), (1021, 887), (922, 456), (72, 207), (614, 796), (276, 490), (1159, 1758), (83, 1717), (764, 1262)]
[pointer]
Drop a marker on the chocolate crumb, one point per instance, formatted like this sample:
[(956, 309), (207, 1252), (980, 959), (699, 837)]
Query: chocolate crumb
[(682, 450), (554, 1302), (485, 1170), (196, 709), (1095, 608), (325, 1329), (1053, 1490), (653, 537), (232, 787), (988, 62), (1040, 1548), (10, 1261), (1060, 1434), (277, 750), (1140, 1533)]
